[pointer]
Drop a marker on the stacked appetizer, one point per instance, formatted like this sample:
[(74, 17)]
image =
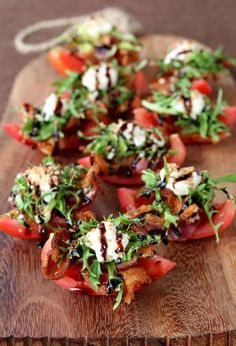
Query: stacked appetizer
[(131, 131)]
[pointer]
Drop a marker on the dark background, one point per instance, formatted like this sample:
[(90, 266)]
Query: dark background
[(209, 21)]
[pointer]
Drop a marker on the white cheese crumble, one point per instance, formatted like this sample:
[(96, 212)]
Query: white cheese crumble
[(134, 133), (50, 106), (180, 187), (181, 52), (196, 101), (96, 26), (139, 136), (93, 240), (127, 133), (42, 177), (112, 252), (100, 77)]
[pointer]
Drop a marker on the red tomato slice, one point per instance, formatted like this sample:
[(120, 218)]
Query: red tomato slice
[(177, 144), (14, 131), (16, 229), (120, 180), (196, 138), (225, 215), (73, 279), (139, 82), (156, 267), (127, 198), (203, 86), (229, 116), (145, 118), (113, 179), (64, 61), (85, 161), (129, 201)]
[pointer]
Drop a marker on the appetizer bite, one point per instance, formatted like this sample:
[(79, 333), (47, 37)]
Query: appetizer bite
[(49, 197), (124, 149), (180, 202), (107, 258), (93, 41), (80, 102), (189, 113), (191, 60)]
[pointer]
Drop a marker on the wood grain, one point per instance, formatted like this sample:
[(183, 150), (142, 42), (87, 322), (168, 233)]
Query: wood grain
[(196, 298), (209, 339)]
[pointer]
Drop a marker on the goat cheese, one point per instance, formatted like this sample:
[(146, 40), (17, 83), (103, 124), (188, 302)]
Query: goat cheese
[(50, 106), (100, 77), (191, 179), (93, 240), (106, 249), (139, 136), (196, 104), (181, 51), (42, 177), (113, 251)]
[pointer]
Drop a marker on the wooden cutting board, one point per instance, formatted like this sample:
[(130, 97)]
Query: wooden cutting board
[(194, 304)]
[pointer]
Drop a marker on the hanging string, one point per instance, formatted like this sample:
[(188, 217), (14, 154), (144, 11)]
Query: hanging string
[(118, 17)]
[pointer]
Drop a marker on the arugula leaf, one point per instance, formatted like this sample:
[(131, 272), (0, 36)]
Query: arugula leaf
[(41, 204), (150, 178), (207, 123), (119, 295), (170, 219), (112, 145), (199, 63), (229, 178)]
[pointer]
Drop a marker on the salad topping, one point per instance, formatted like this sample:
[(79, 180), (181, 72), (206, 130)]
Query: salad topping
[(48, 189)]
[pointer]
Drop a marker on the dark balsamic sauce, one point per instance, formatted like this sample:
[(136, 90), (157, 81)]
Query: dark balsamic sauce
[(127, 172), (113, 283), (164, 238), (103, 240), (119, 242)]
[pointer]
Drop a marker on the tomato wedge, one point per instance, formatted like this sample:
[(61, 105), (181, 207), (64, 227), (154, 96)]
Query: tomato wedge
[(156, 267), (85, 161), (63, 61), (13, 227), (229, 116), (139, 83), (177, 145), (120, 180), (14, 131), (196, 138), (73, 280), (129, 200), (145, 118), (203, 86), (225, 216)]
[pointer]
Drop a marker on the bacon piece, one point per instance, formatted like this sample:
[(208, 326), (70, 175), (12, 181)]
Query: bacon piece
[(134, 278)]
